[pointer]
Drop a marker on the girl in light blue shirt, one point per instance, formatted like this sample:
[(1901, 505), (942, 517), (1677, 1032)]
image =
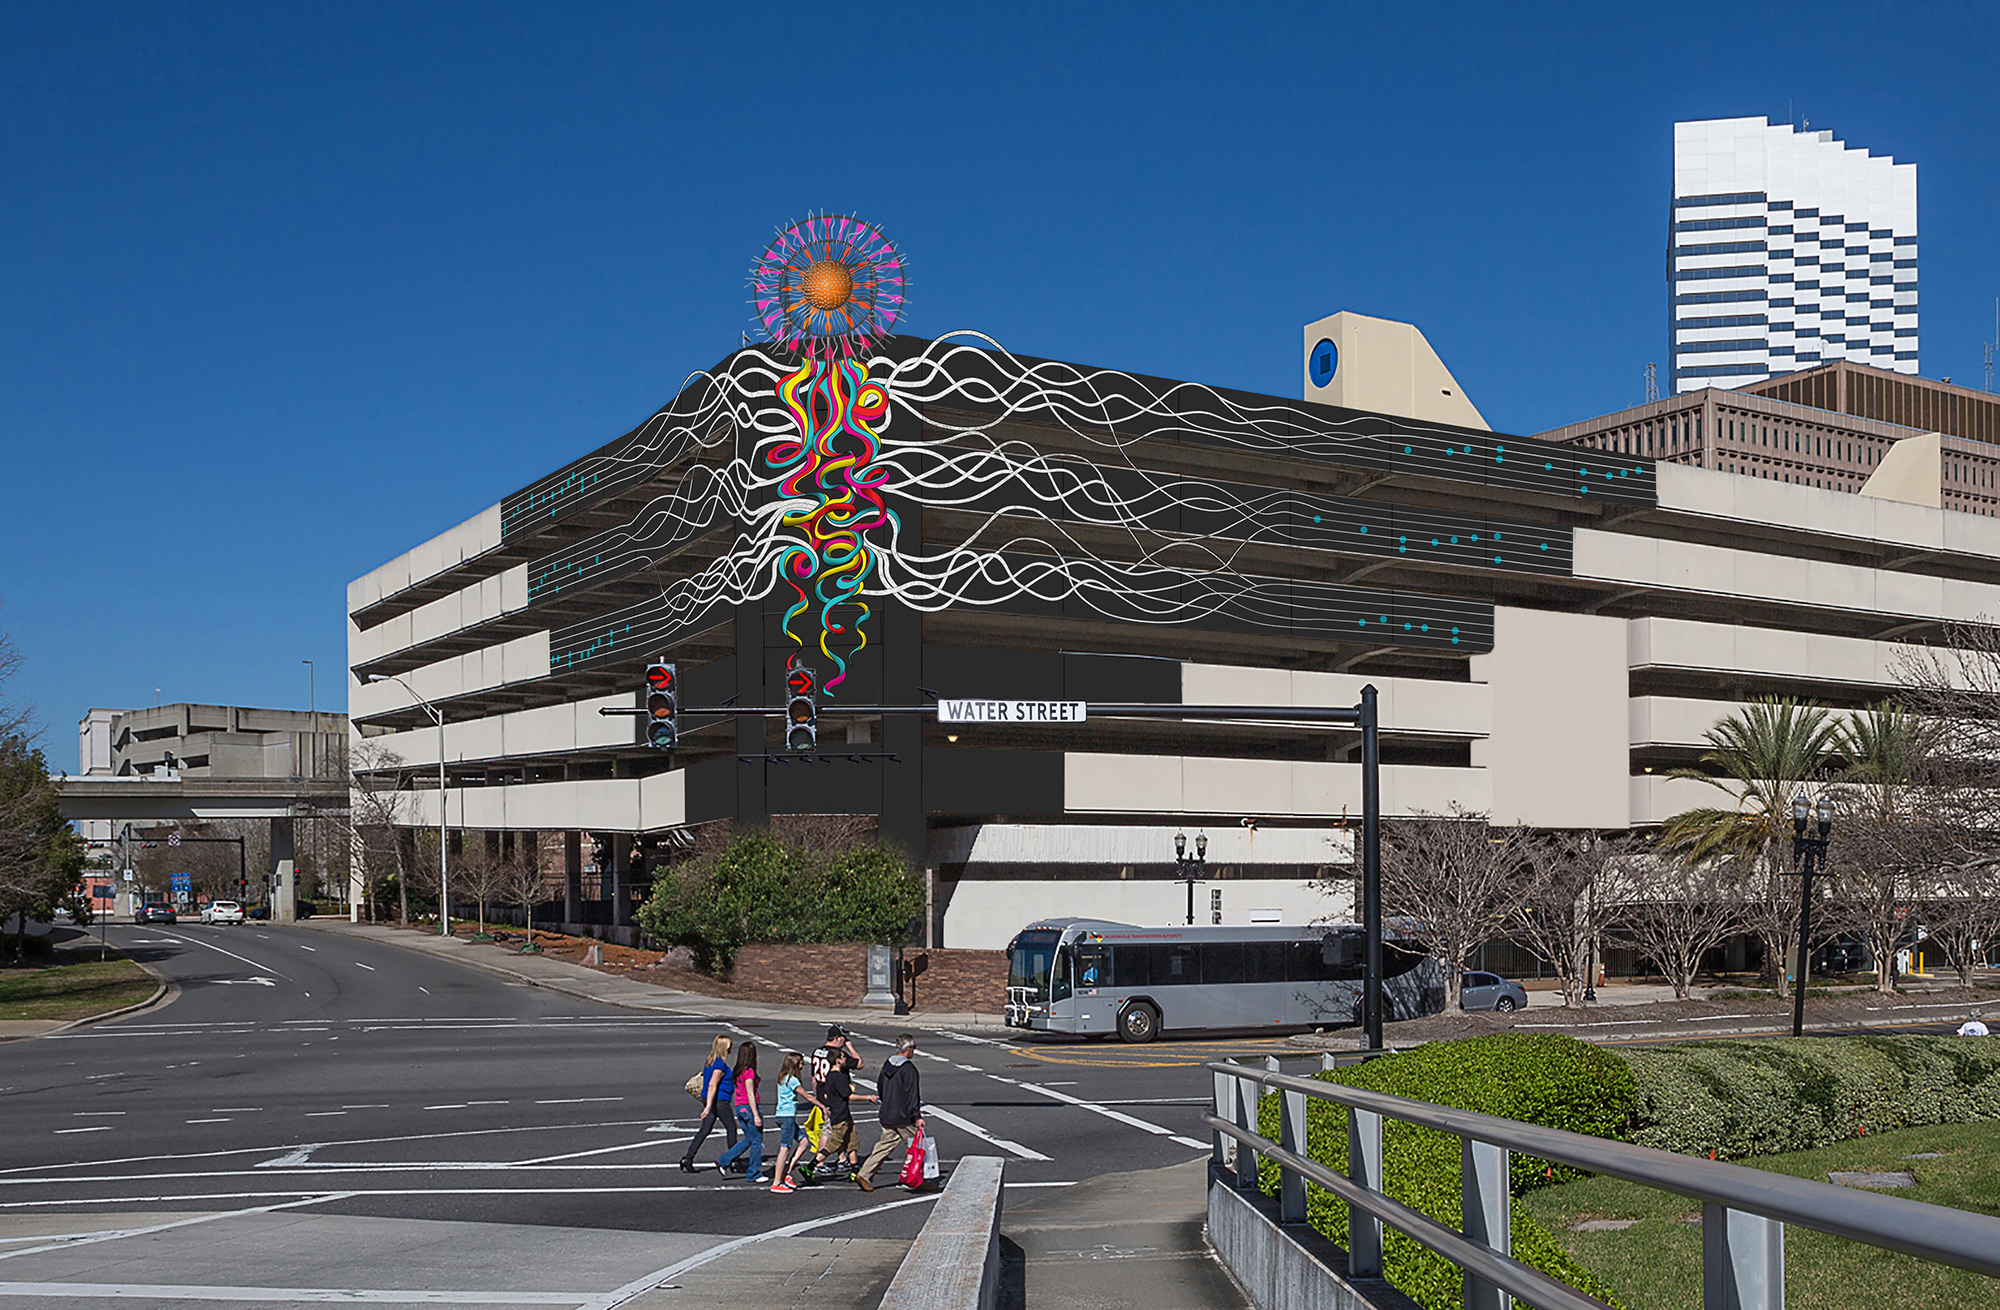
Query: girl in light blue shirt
[(791, 1145)]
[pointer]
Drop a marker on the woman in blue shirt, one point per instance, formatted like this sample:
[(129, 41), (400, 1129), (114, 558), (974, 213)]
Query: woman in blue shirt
[(718, 1087)]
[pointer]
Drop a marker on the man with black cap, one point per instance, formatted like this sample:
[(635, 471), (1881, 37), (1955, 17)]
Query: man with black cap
[(833, 1088)]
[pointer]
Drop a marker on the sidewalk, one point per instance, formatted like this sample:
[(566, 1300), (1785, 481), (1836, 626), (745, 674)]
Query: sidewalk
[(587, 984), (1118, 1240)]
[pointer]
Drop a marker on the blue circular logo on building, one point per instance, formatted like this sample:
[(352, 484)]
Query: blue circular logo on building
[(1320, 365)]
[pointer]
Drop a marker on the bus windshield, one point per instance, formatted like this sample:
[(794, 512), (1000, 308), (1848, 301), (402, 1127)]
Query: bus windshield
[(1029, 959)]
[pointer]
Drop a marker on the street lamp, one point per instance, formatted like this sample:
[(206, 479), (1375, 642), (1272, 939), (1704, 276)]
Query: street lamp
[(1808, 854), (1191, 870), (444, 845)]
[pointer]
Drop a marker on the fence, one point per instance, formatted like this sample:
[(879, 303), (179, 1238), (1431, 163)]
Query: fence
[(1743, 1212)]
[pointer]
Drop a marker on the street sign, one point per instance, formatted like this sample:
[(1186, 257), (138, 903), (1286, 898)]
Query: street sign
[(128, 875), (1012, 711)]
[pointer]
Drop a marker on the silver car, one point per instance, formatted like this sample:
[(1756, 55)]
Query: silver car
[(1489, 991)]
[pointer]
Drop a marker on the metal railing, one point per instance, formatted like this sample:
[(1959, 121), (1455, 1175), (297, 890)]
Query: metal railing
[(1743, 1212)]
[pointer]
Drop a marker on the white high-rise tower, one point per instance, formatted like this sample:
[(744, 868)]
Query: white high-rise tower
[(1786, 249)]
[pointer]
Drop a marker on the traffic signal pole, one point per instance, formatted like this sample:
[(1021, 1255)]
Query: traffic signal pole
[(1364, 716)]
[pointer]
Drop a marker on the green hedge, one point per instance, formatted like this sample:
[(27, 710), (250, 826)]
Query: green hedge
[(762, 889), (1550, 1080), (1743, 1098)]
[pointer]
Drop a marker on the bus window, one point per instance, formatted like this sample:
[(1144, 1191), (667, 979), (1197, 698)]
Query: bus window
[(1028, 962), (1059, 975), (1093, 965), (1265, 962), (1132, 966), (1182, 961), (1222, 962)]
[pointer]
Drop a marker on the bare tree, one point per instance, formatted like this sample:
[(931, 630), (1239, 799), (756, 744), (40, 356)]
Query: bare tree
[(524, 887), (483, 874), (377, 801), (1676, 910), (1561, 913), (1452, 880)]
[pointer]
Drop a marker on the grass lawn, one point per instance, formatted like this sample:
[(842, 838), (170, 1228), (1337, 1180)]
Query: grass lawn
[(1656, 1263), (76, 989)]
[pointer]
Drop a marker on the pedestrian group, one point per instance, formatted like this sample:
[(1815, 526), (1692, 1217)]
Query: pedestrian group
[(818, 1144)]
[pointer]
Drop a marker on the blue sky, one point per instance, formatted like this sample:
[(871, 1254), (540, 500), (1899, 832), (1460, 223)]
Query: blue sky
[(289, 288)]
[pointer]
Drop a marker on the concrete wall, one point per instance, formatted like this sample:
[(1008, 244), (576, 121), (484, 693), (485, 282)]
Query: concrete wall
[(608, 804), (1174, 784), (475, 536), (1386, 367), (1559, 753), (985, 915)]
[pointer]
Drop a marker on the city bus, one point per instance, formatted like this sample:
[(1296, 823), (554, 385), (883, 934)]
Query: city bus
[(1095, 978)]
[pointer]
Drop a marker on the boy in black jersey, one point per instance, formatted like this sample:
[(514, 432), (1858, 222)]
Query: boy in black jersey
[(833, 1087)]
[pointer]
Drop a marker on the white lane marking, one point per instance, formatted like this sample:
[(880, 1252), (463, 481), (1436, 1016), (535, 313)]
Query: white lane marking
[(304, 947), (580, 1100), (425, 990), (298, 1155), (969, 1068), (196, 1292), (8, 1175), (1188, 1141), (324, 1114), (1095, 1108), (355, 1167), (237, 1109), (619, 1296), (967, 1126), (94, 1114), (488, 1102), (208, 1121), (112, 1234), (196, 941), (94, 1128), (369, 967), (307, 1197), (607, 1150), (381, 1106), (459, 1105), (1070, 1182)]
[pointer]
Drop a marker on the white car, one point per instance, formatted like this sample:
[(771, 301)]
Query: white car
[(222, 912)]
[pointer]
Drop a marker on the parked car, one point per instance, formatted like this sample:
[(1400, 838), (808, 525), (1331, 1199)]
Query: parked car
[(222, 912), (258, 912), (1489, 991), (156, 913), (1840, 957)]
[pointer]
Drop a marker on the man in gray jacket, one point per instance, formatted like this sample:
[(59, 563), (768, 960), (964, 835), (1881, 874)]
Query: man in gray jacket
[(902, 1110)]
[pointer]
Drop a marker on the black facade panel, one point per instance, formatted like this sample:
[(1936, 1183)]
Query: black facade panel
[(992, 781)]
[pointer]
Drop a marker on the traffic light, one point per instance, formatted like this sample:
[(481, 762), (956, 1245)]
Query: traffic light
[(663, 707), (801, 714)]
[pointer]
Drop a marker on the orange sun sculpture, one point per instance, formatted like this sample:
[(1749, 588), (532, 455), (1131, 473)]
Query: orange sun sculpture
[(828, 287)]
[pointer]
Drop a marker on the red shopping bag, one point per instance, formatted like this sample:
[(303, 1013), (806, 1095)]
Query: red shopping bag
[(913, 1165)]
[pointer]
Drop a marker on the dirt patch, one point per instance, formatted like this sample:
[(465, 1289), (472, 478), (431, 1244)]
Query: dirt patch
[(620, 962)]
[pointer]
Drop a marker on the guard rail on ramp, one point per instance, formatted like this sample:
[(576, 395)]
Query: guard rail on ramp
[(955, 1262)]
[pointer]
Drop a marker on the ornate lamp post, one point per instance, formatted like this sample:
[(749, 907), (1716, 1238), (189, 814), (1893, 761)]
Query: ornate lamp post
[(1808, 854), (1191, 870)]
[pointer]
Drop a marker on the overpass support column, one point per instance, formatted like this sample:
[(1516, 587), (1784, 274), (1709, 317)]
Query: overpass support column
[(283, 871)]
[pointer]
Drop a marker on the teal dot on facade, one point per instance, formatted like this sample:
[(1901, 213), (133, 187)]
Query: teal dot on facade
[(1385, 618), (1548, 468), (1361, 623), (1499, 459), (1454, 541), (1454, 641), (1496, 559), (1402, 550), (1315, 518), (1434, 541), (1545, 545), (1424, 628), (1406, 450), (1454, 632), (1475, 536), (1496, 536), (1406, 627), (1404, 540), (1586, 489), (1364, 529)]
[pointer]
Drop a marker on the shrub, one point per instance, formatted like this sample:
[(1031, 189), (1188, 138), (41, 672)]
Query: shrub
[(1745, 1098), (762, 889), (1549, 1080)]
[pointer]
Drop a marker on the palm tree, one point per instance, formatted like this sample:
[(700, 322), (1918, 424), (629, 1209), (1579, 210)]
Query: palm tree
[(1884, 748), (1761, 755)]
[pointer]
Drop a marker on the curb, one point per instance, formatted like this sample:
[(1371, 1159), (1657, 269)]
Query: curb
[(166, 987), (695, 1003)]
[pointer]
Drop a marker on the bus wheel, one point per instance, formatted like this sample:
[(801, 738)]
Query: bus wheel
[(1139, 1023)]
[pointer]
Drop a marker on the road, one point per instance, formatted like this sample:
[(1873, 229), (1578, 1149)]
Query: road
[(329, 1118)]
